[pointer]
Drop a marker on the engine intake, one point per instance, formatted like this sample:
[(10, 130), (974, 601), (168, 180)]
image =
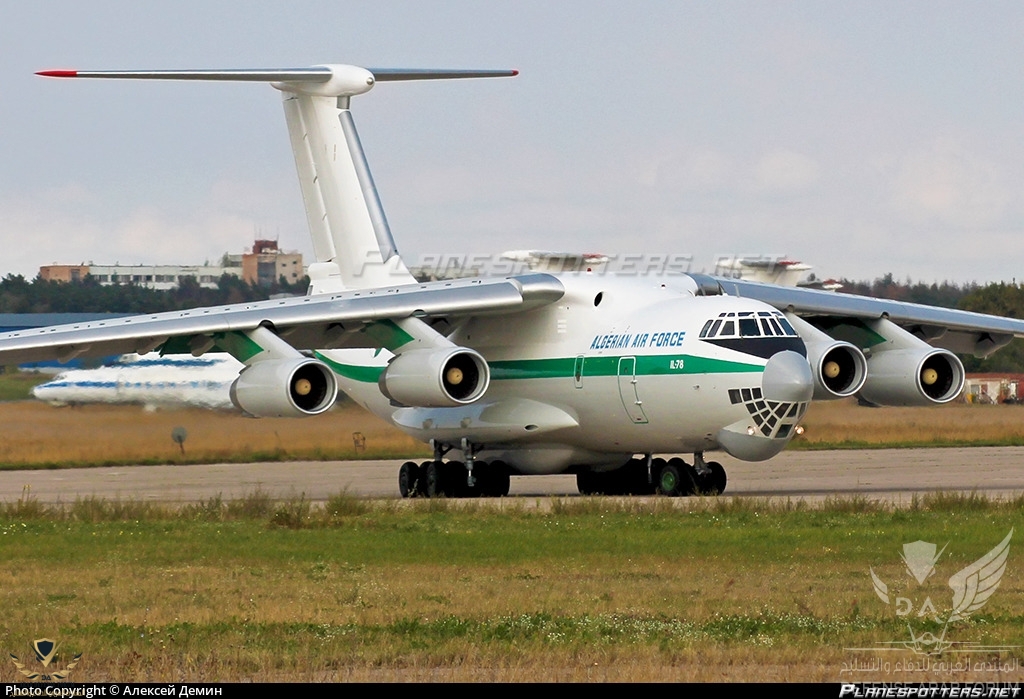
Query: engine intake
[(436, 378), (839, 369), (913, 377), (285, 388)]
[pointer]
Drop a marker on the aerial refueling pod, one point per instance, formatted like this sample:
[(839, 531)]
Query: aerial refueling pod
[(293, 387), (436, 378), (839, 368), (907, 371)]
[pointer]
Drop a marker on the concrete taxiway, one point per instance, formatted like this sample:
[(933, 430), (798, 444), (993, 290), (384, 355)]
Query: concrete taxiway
[(890, 474)]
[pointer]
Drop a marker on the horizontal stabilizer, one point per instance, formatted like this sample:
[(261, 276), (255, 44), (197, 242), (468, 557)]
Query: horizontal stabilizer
[(394, 74), (313, 74), (316, 74)]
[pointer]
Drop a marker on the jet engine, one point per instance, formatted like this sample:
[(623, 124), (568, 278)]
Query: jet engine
[(839, 369), (293, 387), (436, 378), (923, 376)]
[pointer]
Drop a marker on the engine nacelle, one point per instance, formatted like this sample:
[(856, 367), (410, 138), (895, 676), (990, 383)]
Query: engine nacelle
[(925, 376), (294, 387), (839, 369), (436, 378)]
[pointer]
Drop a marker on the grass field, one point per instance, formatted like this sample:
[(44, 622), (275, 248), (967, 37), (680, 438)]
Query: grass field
[(844, 424), (33, 434), (36, 435), (596, 589)]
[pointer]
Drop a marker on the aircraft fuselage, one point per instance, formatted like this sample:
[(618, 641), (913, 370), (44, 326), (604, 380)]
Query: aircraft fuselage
[(615, 368)]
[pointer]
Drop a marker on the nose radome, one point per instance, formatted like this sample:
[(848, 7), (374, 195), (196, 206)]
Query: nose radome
[(787, 378)]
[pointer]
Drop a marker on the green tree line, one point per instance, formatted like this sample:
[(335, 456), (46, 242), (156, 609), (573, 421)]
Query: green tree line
[(19, 295)]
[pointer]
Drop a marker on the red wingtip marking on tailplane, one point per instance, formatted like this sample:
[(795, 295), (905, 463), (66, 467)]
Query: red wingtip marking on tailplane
[(58, 73)]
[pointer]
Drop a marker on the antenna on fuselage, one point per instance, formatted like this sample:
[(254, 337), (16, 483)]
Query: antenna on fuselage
[(352, 241)]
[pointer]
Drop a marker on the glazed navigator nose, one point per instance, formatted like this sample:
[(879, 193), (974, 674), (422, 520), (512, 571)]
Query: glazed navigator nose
[(787, 378)]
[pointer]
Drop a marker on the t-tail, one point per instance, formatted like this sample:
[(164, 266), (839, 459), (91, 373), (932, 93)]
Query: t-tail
[(352, 241)]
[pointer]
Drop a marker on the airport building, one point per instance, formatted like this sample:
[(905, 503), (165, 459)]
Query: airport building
[(994, 388), (263, 265)]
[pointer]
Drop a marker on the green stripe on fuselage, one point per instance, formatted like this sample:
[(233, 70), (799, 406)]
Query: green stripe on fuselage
[(659, 364), (564, 367)]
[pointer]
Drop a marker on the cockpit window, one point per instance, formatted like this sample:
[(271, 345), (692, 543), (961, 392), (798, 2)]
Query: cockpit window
[(751, 324), (748, 327)]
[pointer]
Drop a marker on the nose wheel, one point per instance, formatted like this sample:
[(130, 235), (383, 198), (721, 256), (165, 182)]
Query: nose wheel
[(710, 475)]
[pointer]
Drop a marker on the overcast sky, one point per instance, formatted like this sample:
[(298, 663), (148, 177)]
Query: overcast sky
[(862, 138)]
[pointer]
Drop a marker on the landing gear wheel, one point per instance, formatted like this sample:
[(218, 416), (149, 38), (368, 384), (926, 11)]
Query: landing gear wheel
[(687, 477), (408, 479), (500, 480), (585, 482), (668, 481), (717, 477), (421, 480), (434, 479), (455, 480)]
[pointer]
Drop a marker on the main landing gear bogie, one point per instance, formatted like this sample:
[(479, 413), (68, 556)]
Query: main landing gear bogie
[(434, 479), (672, 478)]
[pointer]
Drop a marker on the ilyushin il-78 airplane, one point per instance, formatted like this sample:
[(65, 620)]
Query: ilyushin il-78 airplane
[(533, 373)]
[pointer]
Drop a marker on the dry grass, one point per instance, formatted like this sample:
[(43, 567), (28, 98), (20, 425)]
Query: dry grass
[(844, 423), (33, 433)]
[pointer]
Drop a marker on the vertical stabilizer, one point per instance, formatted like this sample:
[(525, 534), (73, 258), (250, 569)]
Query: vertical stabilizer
[(345, 216)]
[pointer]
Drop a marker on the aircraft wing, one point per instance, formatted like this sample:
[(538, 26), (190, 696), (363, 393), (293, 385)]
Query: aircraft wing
[(320, 321), (958, 331)]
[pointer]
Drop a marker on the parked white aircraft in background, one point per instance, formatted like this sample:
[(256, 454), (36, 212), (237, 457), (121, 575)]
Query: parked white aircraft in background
[(768, 270), (534, 373), (151, 381)]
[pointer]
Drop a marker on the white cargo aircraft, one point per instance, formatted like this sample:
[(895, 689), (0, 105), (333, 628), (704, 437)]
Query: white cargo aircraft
[(153, 382), (531, 374)]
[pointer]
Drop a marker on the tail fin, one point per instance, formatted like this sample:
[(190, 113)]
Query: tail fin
[(352, 242)]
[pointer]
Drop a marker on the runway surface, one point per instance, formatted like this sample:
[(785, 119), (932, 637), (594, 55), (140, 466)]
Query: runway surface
[(890, 474)]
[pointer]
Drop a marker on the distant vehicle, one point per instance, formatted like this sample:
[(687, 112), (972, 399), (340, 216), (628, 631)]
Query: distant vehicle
[(153, 382)]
